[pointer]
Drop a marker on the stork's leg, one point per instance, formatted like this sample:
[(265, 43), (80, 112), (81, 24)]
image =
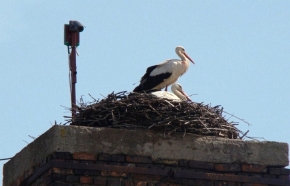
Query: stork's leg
[(166, 88)]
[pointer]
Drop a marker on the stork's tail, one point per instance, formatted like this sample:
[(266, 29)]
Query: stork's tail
[(138, 89)]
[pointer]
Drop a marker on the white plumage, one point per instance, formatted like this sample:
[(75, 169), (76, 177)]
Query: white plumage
[(179, 94), (166, 73)]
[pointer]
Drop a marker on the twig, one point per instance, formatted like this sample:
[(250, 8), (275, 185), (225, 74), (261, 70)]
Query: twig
[(244, 134)]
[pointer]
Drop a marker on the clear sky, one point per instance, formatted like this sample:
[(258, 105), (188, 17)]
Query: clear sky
[(241, 50)]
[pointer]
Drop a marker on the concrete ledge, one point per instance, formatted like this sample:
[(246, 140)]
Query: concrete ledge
[(144, 143)]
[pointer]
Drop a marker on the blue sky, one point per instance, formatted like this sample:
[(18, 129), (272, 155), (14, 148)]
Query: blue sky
[(241, 50)]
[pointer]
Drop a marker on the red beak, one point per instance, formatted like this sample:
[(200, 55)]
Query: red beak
[(185, 95), (188, 57)]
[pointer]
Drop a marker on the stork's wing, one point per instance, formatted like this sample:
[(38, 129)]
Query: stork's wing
[(163, 68), (154, 76)]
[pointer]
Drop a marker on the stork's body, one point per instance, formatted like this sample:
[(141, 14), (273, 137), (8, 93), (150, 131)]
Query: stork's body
[(164, 74), (179, 94)]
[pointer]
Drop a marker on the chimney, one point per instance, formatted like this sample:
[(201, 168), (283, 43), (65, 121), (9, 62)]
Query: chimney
[(77, 155)]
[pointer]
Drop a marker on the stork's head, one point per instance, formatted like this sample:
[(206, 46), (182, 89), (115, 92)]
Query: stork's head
[(179, 49), (177, 90), (181, 52)]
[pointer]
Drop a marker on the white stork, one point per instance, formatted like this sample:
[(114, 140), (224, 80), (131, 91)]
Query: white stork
[(164, 74), (179, 94)]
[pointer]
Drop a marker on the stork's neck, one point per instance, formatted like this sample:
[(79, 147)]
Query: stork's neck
[(178, 94), (182, 56)]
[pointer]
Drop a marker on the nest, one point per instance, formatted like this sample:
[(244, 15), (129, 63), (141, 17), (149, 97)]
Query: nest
[(145, 111)]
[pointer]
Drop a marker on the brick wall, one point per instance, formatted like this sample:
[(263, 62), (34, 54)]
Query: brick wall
[(76, 169)]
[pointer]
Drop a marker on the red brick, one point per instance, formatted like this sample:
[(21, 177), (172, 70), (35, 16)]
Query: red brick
[(228, 177), (138, 159), (100, 181), (113, 182), (113, 174), (148, 165), (197, 182), (151, 183), (72, 178), (276, 171), (59, 184), (161, 184), (146, 177), (84, 172), (105, 157), (87, 161), (256, 175), (55, 177), (118, 158), (221, 183), (46, 176), (201, 165), (253, 168), (226, 183), (166, 162), (73, 161), (253, 184), (140, 184), (183, 163), (129, 164), (286, 171), (86, 179), (243, 173), (177, 181), (269, 176), (84, 156), (228, 167), (61, 171), (114, 163), (127, 183), (284, 177)]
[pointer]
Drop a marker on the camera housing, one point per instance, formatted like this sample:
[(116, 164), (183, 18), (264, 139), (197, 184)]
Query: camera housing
[(71, 30)]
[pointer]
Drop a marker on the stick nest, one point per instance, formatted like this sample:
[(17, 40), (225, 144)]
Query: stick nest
[(140, 110)]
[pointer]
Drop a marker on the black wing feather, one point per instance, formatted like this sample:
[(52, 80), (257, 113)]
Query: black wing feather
[(148, 71), (148, 82)]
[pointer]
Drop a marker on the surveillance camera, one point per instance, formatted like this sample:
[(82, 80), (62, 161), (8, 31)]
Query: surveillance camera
[(75, 26)]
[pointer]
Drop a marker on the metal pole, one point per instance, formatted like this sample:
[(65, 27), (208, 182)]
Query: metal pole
[(73, 72), (72, 38)]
